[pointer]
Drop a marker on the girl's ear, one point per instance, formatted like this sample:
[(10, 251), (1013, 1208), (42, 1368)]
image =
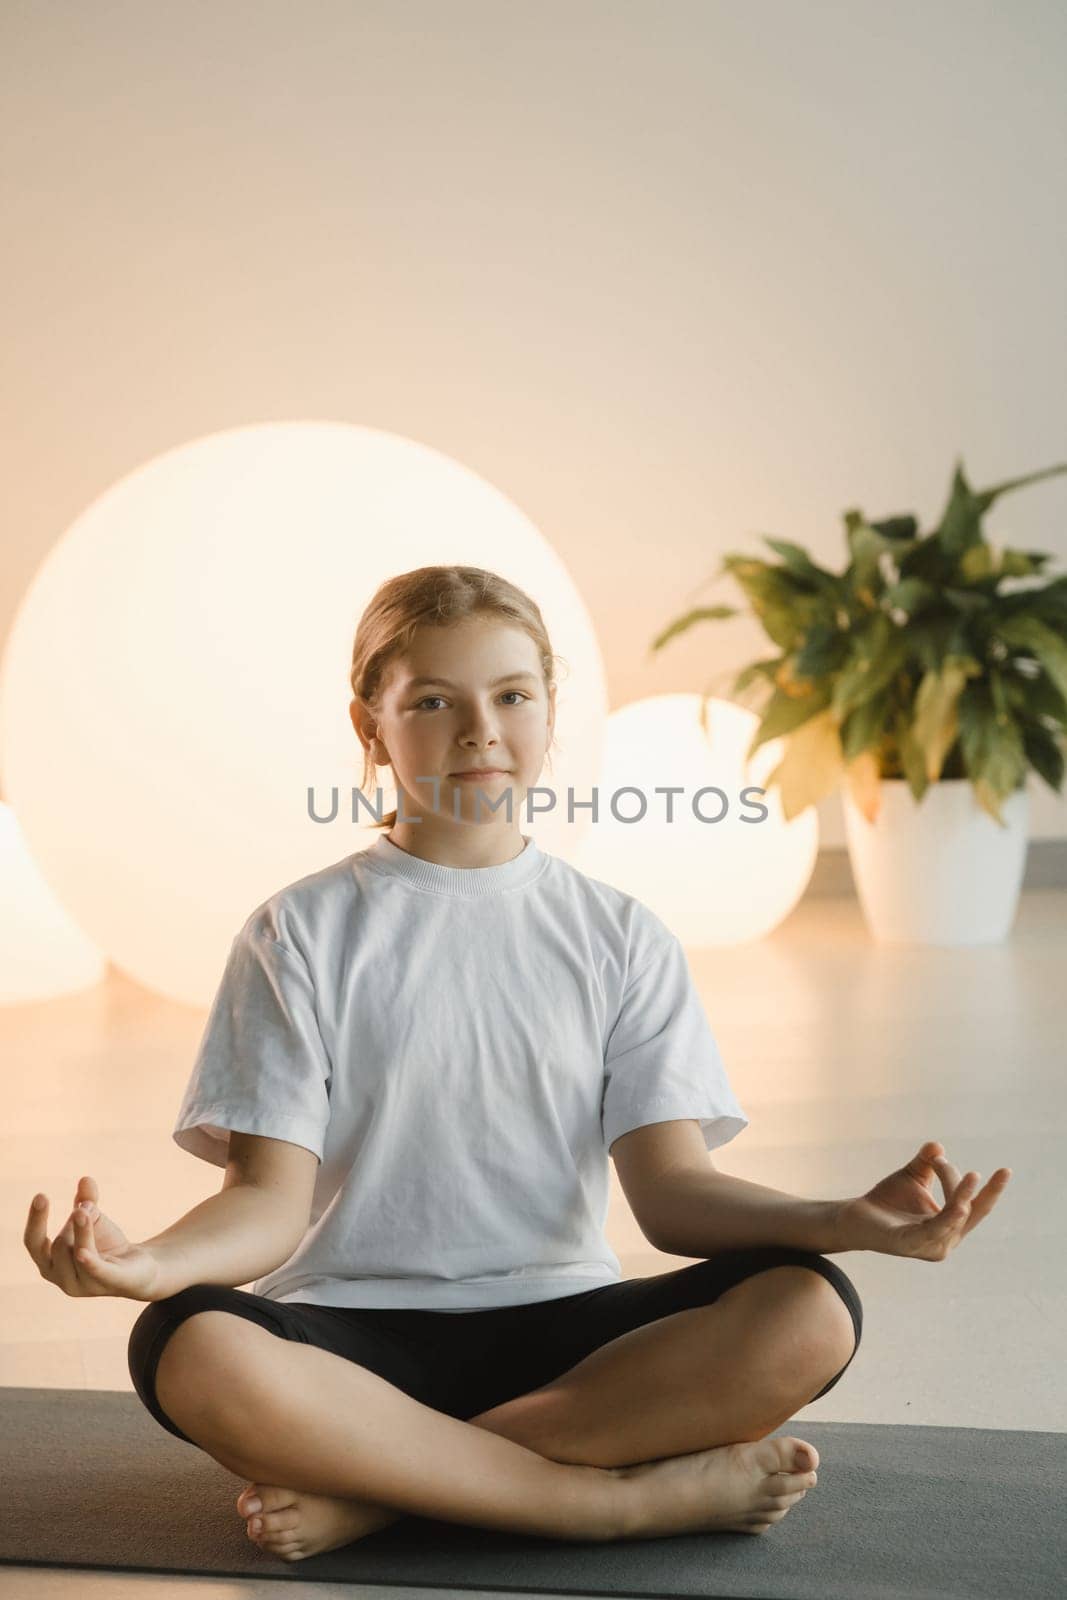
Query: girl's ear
[(363, 722)]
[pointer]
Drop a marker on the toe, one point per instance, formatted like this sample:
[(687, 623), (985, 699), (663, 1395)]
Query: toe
[(274, 1497), (806, 1458), (780, 1502), (279, 1522), (791, 1482), (283, 1541), (247, 1494)]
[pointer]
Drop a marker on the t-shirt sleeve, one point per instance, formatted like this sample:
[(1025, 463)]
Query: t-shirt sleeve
[(262, 1066), (661, 1059)]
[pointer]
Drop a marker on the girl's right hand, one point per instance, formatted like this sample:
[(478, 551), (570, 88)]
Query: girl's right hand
[(91, 1255)]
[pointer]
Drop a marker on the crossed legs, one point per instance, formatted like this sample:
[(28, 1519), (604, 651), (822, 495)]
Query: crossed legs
[(551, 1462), (733, 1370)]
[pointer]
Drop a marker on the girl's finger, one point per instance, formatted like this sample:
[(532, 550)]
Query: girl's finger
[(93, 1270), (35, 1237), (69, 1236), (88, 1264), (949, 1225), (949, 1176), (986, 1199), (954, 1212), (84, 1252), (958, 1209)]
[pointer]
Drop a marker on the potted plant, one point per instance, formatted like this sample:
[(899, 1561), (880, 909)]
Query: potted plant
[(926, 679)]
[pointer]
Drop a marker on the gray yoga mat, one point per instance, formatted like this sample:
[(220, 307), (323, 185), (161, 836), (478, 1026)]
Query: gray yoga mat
[(89, 1479)]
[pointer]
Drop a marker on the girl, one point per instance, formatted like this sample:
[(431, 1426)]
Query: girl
[(416, 1065)]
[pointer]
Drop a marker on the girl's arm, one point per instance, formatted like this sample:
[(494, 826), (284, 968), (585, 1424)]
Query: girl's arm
[(253, 1226), (249, 1228)]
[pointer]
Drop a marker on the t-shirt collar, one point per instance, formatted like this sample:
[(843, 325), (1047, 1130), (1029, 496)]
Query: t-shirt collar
[(463, 882)]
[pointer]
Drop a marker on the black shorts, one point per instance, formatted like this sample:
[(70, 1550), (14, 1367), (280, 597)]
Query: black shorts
[(463, 1364)]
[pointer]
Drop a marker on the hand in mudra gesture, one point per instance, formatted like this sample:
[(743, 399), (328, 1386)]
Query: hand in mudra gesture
[(90, 1255), (901, 1216)]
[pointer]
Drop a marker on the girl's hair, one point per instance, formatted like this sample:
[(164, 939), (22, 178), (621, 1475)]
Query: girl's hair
[(434, 597)]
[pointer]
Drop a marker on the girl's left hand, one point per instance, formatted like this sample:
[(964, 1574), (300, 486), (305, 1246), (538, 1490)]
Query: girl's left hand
[(884, 1219)]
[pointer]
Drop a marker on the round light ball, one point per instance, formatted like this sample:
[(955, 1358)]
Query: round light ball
[(176, 679), (724, 880)]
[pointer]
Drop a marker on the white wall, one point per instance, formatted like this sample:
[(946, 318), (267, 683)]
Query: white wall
[(672, 274)]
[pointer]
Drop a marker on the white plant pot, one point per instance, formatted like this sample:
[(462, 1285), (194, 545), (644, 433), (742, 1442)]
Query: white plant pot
[(941, 871)]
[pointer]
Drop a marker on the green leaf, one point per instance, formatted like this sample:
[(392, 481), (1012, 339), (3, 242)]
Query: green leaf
[(968, 600), (935, 637), (800, 564), (999, 693), (785, 607), (824, 650), (878, 652), (785, 713), (987, 496), (1014, 689), (977, 563), (866, 547), (1044, 754), (960, 528), (866, 725), (757, 669), (991, 740), (1048, 602), (1041, 698), (961, 521), (910, 595), (926, 559), (1022, 563), (897, 528), (701, 614), (912, 759), (1030, 633)]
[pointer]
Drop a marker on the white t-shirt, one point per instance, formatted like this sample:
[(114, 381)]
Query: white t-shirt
[(459, 1046)]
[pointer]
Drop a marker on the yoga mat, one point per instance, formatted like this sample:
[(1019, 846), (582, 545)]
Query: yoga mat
[(89, 1479)]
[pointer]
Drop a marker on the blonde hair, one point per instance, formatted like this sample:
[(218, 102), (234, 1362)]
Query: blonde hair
[(434, 597)]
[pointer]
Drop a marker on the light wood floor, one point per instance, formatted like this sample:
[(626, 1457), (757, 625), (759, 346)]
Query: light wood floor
[(845, 1055)]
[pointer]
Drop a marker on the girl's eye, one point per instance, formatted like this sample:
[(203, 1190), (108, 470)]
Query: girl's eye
[(423, 701)]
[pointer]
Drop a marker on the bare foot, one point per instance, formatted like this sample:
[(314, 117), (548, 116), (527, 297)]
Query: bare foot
[(294, 1524), (735, 1488)]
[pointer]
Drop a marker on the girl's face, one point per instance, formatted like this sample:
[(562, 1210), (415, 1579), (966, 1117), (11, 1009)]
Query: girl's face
[(463, 697)]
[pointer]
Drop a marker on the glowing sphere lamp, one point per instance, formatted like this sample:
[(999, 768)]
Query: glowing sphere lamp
[(176, 679), (719, 868)]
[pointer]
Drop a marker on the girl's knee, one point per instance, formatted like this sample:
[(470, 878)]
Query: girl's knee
[(847, 1293), (212, 1343), (835, 1278), (185, 1346), (160, 1319), (832, 1313), (198, 1371)]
